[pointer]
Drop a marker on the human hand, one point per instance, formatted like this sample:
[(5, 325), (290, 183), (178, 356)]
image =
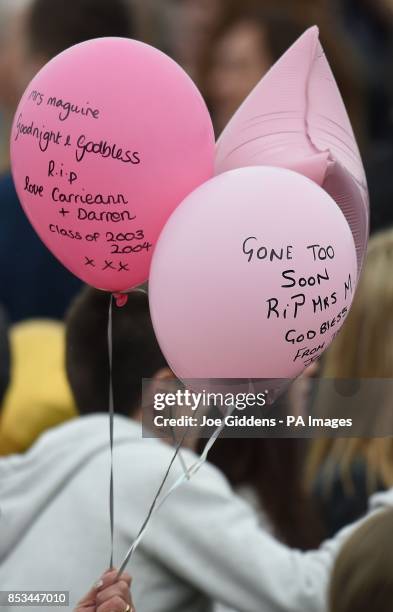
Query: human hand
[(110, 594)]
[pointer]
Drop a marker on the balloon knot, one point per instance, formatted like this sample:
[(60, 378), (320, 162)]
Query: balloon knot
[(121, 299)]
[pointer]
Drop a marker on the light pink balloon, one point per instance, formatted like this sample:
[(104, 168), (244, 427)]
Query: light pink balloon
[(99, 179), (295, 118), (217, 296)]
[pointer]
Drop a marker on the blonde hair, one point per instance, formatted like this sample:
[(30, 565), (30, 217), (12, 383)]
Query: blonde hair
[(363, 349), (362, 578)]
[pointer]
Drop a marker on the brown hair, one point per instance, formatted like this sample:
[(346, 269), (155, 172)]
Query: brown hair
[(272, 470), (136, 353), (280, 27), (362, 578), (54, 25)]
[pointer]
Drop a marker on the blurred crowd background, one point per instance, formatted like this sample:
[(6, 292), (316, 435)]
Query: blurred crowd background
[(226, 46)]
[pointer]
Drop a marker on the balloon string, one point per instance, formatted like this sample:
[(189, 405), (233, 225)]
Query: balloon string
[(120, 302), (172, 430), (111, 420), (195, 467), (188, 473), (150, 513)]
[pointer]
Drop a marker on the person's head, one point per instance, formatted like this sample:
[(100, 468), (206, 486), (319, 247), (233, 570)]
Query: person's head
[(363, 350), (11, 42), (242, 51), (247, 43), (44, 28), (5, 356), (362, 578), (379, 11), (136, 354), (190, 25), (270, 471), (198, 16)]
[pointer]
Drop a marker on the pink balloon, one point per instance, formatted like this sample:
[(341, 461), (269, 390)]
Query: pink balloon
[(108, 139), (252, 276), (295, 118)]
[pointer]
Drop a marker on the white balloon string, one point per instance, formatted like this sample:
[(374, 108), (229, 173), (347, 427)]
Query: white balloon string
[(195, 467), (189, 472), (180, 455), (111, 420), (150, 513)]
